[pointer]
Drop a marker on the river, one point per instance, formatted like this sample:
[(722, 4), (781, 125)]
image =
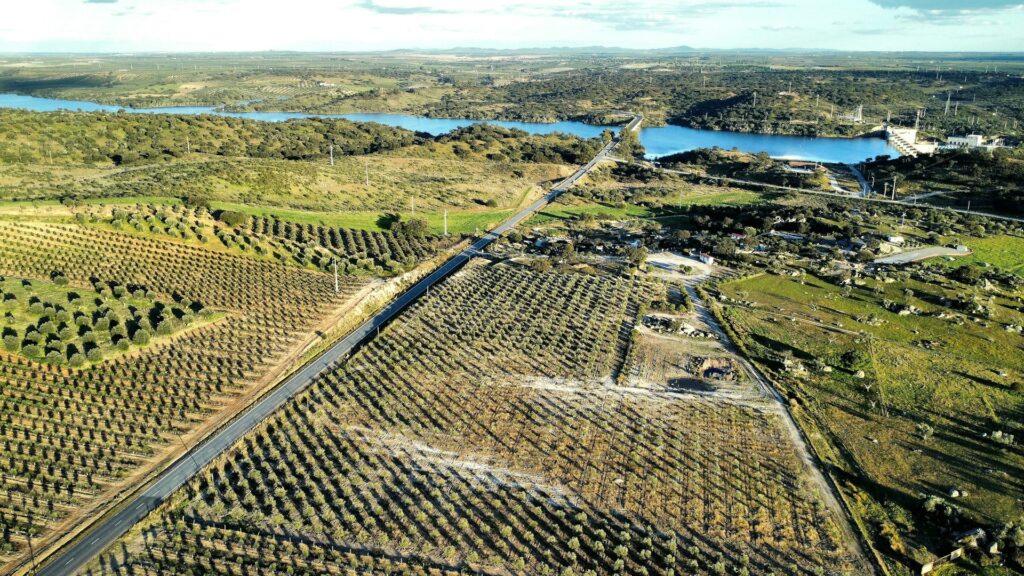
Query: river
[(658, 141)]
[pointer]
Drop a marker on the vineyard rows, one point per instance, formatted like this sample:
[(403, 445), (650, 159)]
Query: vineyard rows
[(70, 435), (481, 433), (357, 251)]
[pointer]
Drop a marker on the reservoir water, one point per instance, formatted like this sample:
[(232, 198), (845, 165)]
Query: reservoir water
[(658, 141)]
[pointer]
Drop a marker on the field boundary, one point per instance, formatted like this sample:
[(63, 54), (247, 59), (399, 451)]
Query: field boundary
[(863, 536), (291, 365)]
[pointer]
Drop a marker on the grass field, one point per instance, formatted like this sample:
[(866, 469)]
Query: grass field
[(1002, 251), (948, 367), (396, 184), (459, 221), (49, 323)]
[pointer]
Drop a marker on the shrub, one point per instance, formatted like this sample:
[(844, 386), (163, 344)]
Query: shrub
[(232, 218), (142, 336), (164, 328), (12, 343), (77, 360), (94, 355)]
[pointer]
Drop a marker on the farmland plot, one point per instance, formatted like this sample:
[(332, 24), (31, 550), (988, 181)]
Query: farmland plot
[(482, 433), (915, 384), (75, 431), (302, 244)]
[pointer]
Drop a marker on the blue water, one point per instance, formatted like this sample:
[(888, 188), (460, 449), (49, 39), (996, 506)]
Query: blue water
[(658, 141), (664, 140)]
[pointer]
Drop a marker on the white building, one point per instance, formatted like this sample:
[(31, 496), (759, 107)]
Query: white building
[(905, 140), (971, 141)]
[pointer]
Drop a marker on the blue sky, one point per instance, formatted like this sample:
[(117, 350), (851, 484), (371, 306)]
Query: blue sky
[(215, 25)]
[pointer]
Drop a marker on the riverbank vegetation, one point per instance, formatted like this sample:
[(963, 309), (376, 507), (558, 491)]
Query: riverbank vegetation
[(750, 167), (477, 173), (779, 93)]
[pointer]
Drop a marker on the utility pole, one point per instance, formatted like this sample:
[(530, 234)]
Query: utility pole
[(331, 149), (885, 189), (334, 262), (949, 95), (445, 221), (187, 451), (188, 145), (755, 99), (956, 108), (893, 187)]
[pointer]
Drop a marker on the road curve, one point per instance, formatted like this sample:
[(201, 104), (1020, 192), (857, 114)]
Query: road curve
[(96, 539)]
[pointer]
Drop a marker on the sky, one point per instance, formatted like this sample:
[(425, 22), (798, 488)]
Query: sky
[(356, 25)]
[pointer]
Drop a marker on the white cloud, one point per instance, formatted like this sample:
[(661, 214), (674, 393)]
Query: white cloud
[(179, 25)]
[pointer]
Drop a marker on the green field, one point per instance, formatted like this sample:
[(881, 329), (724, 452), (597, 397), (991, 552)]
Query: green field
[(951, 367), (51, 323), (459, 222), (1004, 252)]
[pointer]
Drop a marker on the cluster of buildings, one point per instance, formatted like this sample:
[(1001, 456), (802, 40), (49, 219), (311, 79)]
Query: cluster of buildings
[(971, 142), (906, 141)]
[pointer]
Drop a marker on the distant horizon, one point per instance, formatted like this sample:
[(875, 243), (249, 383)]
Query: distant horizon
[(480, 49), (190, 26)]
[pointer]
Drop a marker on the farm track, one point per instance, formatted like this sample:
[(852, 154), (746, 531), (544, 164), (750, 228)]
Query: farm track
[(826, 486)]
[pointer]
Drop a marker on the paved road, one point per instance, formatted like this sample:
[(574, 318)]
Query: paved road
[(103, 534), (865, 188), (920, 254)]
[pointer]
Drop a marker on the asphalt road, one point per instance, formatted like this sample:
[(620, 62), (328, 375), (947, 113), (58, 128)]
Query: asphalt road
[(920, 254), (103, 534)]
